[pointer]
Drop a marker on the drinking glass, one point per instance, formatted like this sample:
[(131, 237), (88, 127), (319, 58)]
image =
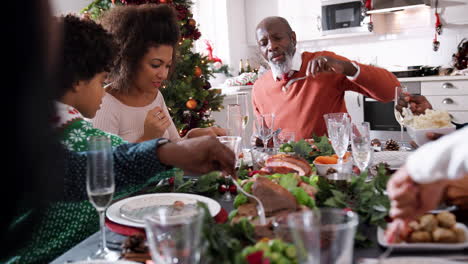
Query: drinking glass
[(400, 91), (100, 186), (285, 137), (324, 235), (234, 120), (243, 102), (361, 145), (265, 128), (175, 239), (233, 143), (338, 126)]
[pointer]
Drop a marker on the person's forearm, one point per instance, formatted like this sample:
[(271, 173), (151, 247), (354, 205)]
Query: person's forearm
[(170, 153), (446, 158), (375, 82)]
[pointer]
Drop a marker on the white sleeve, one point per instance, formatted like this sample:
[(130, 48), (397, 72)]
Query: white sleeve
[(446, 158), (172, 130)]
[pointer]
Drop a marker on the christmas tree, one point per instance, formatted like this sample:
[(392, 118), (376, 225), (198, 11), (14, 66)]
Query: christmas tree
[(188, 95)]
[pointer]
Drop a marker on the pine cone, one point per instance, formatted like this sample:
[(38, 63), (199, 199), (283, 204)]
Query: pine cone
[(391, 145), (135, 243)]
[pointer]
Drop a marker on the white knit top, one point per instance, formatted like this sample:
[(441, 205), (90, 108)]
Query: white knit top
[(128, 121)]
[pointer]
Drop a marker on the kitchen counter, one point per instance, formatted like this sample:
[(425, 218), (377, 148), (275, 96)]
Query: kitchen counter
[(433, 78)]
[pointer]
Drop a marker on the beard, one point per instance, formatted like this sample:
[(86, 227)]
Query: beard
[(280, 68)]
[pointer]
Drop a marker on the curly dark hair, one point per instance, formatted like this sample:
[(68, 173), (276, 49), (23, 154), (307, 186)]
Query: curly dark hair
[(136, 28), (88, 49)]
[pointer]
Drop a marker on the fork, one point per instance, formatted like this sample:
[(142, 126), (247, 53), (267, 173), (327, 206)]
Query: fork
[(260, 208)]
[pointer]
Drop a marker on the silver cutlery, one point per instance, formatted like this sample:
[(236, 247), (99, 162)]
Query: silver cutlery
[(260, 208)]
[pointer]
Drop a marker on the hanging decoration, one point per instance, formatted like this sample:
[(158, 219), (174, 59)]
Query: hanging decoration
[(438, 28), (370, 25)]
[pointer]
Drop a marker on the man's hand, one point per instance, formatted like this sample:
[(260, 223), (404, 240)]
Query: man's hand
[(208, 131), (329, 64), (457, 192), (410, 200), (198, 155), (416, 103)]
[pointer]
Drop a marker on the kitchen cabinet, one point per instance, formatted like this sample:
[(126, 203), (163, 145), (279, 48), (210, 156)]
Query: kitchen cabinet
[(448, 94)]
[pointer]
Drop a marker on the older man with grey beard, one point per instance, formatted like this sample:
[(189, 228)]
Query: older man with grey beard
[(301, 87)]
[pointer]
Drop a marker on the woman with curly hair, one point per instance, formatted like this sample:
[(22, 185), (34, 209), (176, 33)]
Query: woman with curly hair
[(133, 107)]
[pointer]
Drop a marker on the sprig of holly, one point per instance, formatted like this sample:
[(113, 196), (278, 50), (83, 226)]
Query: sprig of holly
[(367, 199)]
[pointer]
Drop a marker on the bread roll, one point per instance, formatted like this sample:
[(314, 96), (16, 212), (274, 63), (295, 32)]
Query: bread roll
[(420, 237), (446, 219), (444, 235), (428, 222)]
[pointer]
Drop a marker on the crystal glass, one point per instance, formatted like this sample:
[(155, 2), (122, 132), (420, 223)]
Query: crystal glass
[(175, 239), (285, 137), (361, 145), (324, 235), (234, 120), (264, 128), (244, 104), (400, 92), (338, 126), (100, 186), (233, 143)]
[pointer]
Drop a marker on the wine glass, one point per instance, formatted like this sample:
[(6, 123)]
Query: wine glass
[(265, 128), (338, 126), (234, 120), (243, 102), (400, 91), (361, 145), (233, 143), (100, 186), (175, 239)]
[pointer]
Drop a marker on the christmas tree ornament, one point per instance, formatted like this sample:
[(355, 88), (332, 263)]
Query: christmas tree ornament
[(197, 71), (192, 22), (207, 85), (191, 104), (435, 43), (438, 24)]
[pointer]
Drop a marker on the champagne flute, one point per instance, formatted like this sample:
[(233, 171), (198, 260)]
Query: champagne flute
[(233, 143), (265, 128), (399, 92), (361, 145), (338, 126), (234, 120), (243, 102), (100, 186)]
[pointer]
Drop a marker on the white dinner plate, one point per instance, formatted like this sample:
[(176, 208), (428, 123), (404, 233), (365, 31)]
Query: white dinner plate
[(105, 262), (408, 260), (424, 246), (144, 204), (395, 159)]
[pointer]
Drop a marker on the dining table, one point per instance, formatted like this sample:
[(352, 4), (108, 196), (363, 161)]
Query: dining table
[(361, 255)]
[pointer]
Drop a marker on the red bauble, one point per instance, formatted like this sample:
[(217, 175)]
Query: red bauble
[(191, 104), (222, 188), (197, 71), (171, 181), (232, 189)]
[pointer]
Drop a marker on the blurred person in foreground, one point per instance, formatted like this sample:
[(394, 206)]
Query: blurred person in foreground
[(436, 171)]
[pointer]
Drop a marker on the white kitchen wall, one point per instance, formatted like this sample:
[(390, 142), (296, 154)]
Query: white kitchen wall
[(400, 39)]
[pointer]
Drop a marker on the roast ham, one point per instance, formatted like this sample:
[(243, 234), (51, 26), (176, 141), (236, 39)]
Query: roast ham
[(273, 196), (272, 170), (298, 164)]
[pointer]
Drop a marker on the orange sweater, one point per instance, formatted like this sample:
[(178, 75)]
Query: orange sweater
[(301, 108)]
